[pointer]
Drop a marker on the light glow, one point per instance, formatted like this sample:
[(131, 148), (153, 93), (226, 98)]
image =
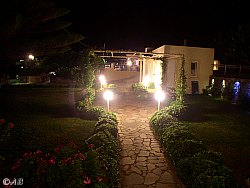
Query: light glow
[(102, 80), (129, 62), (146, 81), (31, 57), (159, 96), (108, 95), (216, 65)]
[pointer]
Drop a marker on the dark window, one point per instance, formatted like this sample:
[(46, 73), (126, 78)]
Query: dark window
[(193, 68)]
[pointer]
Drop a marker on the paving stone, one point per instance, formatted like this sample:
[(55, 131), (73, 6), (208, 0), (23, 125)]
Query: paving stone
[(157, 171), (151, 167), (151, 178), (140, 159), (143, 153), (126, 160), (143, 135), (133, 179), (135, 169)]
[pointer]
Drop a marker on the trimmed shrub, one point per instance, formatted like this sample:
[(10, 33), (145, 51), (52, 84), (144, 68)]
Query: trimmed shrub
[(196, 166), (206, 169), (109, 115), (91, 113), (176, 109), (161, 119), (107, 127), (140, 91), (182, 149)]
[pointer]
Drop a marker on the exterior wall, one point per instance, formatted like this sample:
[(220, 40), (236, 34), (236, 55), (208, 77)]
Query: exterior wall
[(34, 79), (204, 58), (112, 75)]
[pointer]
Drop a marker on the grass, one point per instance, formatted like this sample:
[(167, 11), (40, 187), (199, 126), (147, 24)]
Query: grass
[(224, 128), (43, 118)]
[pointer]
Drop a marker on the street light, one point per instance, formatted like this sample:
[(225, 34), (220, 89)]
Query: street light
[(108, 95), (159, 96), (31, 57), (102, 80)]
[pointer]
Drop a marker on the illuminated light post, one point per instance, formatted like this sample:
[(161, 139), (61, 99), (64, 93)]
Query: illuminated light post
[(159, 96), (102, 80), (31, 57), (146, 81), (108, 95)]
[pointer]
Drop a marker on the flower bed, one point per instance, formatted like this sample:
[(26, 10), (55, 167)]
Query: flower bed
[(196, 166), (94, 164)]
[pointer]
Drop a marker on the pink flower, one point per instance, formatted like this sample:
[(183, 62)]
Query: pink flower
[(11, 125), (91, 145), (80, 156), (69, 160), (99, 179), (87, 180), (57, 150), (2, 121), (38, 153), (27, 155), (52, 160)]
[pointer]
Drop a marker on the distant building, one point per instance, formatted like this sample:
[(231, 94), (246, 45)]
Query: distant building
[(198, 67)]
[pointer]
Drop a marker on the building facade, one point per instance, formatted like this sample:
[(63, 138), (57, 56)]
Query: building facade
[(198, 67)]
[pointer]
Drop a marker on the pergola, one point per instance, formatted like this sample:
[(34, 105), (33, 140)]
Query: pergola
[(125, 54)]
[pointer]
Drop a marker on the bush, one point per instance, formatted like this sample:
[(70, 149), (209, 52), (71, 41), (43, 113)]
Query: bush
[(205, 169), (92, 165), (66, 166), (105, 141), (161, 119), (140, 91), (196, 166), (91, 113), (107, 127), (109, 115), (176, 109), (182, 149)]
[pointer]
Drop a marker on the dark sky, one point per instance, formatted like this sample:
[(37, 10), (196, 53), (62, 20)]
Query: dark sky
[(151, 23)]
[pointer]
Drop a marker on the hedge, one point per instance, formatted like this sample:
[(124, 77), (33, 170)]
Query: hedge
[(195, 165)]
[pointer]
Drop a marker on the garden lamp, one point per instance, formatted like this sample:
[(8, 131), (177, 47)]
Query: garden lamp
[(108, 95), (159, 96)]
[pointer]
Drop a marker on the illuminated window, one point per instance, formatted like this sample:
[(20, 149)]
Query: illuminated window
[(194, 68), (223, 83), (216, 65)]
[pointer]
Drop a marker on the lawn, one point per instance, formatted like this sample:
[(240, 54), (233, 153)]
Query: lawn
[(43, 119), (223, 127)]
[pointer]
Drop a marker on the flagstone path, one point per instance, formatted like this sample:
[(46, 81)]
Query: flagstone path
[(142, 161)]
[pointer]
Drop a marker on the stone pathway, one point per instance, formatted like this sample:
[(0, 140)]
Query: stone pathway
[(142, 162)]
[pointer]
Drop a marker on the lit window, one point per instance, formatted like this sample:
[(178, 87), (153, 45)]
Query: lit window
[(193, 68), (216, 65), (223, 83)]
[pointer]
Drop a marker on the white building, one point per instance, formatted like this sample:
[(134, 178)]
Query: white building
[(198, 67)]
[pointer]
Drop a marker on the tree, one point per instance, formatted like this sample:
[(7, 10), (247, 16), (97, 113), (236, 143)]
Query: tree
[(233, 45), (34, 26)]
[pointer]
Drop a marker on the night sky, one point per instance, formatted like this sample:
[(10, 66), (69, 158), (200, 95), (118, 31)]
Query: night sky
[(151, 23)]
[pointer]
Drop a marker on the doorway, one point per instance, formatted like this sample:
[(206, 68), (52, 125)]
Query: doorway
[(195, 87)]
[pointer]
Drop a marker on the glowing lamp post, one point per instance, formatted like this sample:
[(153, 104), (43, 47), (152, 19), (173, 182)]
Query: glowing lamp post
[(108, 95), (31, 57), (102, 80), (159, 96)]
